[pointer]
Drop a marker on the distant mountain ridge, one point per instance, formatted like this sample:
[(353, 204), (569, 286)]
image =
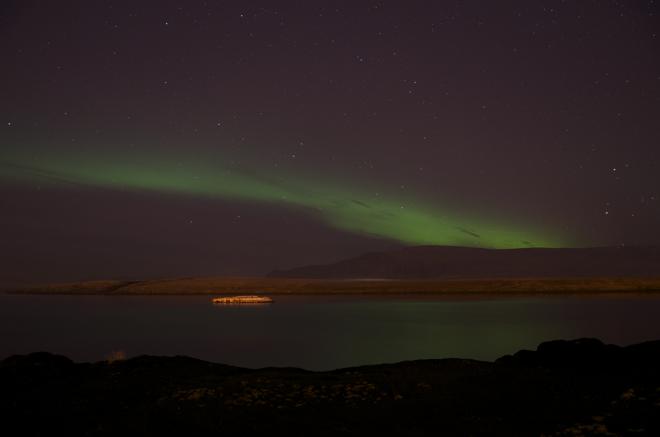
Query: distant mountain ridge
[(445, 262)]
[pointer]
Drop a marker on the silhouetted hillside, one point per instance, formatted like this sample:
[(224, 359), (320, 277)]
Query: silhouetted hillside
[(463, 262), (564, 388)]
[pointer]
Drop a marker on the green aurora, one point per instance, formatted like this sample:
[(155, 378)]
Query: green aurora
[(404, 220)]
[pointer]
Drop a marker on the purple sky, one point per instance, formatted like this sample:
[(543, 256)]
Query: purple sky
[(539, 114)]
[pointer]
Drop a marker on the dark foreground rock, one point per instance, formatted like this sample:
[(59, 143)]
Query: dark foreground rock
[(580, 387)]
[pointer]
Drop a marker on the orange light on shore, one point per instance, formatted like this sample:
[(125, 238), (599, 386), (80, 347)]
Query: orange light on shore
[(242, 299)]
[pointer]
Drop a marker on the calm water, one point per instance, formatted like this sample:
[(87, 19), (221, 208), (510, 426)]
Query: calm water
[(314, 332)]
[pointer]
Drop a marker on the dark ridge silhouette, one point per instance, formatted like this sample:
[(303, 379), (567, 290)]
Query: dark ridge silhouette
[(564, 388), (443, 262)]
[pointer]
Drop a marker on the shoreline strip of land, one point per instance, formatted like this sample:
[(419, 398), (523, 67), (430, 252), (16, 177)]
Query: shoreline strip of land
[(222, 286)]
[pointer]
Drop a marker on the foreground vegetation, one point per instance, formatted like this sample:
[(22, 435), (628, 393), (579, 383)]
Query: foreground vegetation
[(563, 388)]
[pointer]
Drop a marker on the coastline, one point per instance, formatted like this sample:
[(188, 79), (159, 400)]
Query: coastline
[(225, 286), (578, 387)]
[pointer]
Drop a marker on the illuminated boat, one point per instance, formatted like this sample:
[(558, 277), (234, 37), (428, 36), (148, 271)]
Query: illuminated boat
[(242, 299)]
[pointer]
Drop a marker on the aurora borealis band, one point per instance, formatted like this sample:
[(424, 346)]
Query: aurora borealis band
[(164, 138), (346, 209)]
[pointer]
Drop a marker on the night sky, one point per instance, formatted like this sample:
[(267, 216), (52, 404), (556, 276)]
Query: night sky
[(174, 138)]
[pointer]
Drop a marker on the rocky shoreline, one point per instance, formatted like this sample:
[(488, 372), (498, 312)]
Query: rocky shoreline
[(579, 387)]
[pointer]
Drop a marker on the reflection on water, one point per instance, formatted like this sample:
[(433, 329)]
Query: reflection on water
[(314, 332)]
